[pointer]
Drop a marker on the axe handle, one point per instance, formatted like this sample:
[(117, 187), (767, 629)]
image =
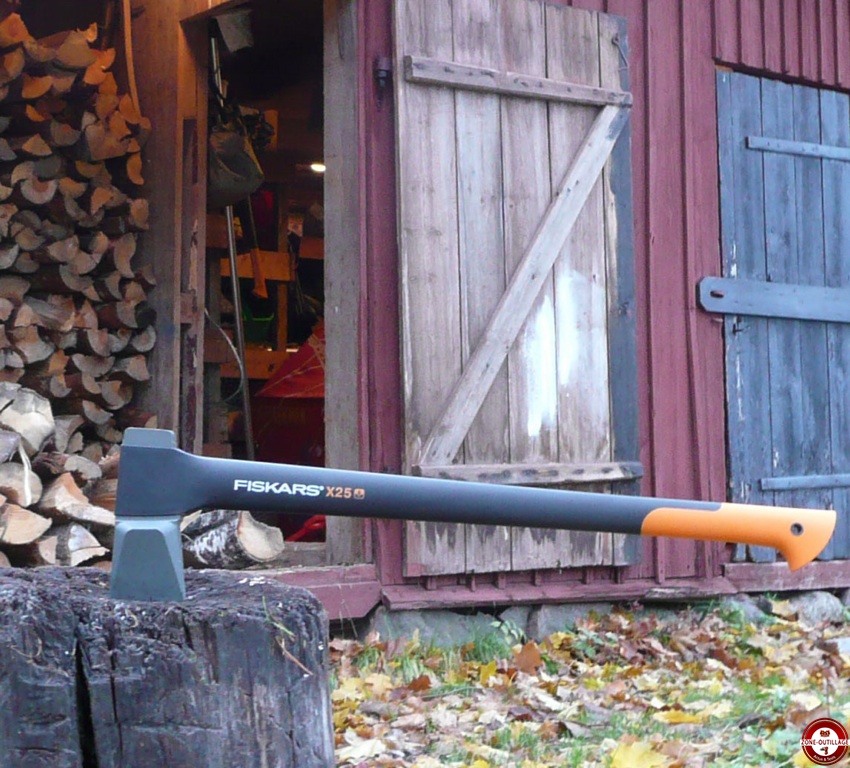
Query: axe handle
[(184, 482)]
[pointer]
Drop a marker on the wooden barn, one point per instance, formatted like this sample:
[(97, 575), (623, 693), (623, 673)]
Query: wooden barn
[(677, 328)]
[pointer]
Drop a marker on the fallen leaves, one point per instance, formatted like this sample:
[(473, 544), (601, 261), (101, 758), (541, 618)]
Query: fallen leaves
[(693, 689)]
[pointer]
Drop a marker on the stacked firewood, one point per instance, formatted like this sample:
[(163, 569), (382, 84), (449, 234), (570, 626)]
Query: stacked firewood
[(76, 324), (54, 505), (57, 506)]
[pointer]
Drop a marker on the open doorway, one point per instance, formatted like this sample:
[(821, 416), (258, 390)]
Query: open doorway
[(272, 65)]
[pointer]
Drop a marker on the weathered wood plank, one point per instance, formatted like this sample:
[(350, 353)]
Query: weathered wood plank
[(620, 266), (477, 31), (530, 342), (580, 285), (784, 384), (343, 411), (816, 451), (455, 75), (525, 286), (743, 250), (536, 474), (732, 296), (807, 482), (835, 129), (429, 258), (802, 148)]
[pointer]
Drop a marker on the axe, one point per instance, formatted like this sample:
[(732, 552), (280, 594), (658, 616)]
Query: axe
[(158, 484)]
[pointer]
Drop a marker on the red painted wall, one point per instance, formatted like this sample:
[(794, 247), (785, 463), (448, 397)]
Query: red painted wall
[(675, 48)]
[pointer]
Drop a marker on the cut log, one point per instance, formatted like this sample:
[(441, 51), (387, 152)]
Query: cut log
[(19, 485), (13, 31), (143, 341), (30, 344), (120, 254), (126, 314), (14, 288), (58, 314), (63, 280), (130, 369), (10, 443), (75, 53), (230, 539), (94, 365), (8, 393), (103, 492), (119, 340), (89, 410), (109, 433), (20, 526), (63, 501), (11, 66), (52, 387), (8, 254), (114, 395), (67, 545), (66, 426), (88, 341), (50, 464), (135, 417), (94, 449), (30, 415), (268, 703)]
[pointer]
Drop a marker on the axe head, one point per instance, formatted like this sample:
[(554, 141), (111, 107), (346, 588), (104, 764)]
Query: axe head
[(147, 559)]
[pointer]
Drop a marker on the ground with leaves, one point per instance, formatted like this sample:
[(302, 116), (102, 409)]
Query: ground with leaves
[(698, 687)]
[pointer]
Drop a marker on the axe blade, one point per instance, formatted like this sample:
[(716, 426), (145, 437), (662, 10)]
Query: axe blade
[(147, 560)]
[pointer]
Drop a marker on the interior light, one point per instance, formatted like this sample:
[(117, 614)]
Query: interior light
[(317, 167)]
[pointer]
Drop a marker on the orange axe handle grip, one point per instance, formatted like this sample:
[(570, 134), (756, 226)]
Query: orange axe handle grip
[(778, 527)]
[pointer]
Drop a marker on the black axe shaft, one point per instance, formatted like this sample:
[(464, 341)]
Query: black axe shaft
[(157, 481)]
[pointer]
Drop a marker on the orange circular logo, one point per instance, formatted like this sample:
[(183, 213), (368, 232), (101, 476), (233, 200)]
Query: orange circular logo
[(825, 741)]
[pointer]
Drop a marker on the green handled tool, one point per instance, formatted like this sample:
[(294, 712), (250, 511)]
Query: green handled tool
[(158, 484)]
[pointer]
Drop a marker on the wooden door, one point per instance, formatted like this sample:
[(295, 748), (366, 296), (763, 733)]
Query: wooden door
[(516, 266), (785, 211)]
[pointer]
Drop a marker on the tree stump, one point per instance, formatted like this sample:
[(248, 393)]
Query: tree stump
[(237, 675)]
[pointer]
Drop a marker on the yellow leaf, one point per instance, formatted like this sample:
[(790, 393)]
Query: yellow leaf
[(486, 672), (348, 689), (638, 755), (676, 716), (480, 764), (362, 749), (378, 684), (808, 701)]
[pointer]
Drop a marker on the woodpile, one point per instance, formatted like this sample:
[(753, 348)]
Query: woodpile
[(76, 323), (57, 504), (76, 327)]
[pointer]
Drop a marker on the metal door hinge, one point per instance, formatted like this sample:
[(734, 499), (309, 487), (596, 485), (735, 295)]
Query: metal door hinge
[(382, 71)]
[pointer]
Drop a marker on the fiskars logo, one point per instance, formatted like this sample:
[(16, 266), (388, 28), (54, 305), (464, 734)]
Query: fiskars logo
[(265, 486)]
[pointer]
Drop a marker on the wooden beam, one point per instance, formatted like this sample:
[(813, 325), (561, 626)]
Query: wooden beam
[(734, 296), (776, 577), (796, 483), (418, 69), (535, 474), (799, 148), (483, 365)]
